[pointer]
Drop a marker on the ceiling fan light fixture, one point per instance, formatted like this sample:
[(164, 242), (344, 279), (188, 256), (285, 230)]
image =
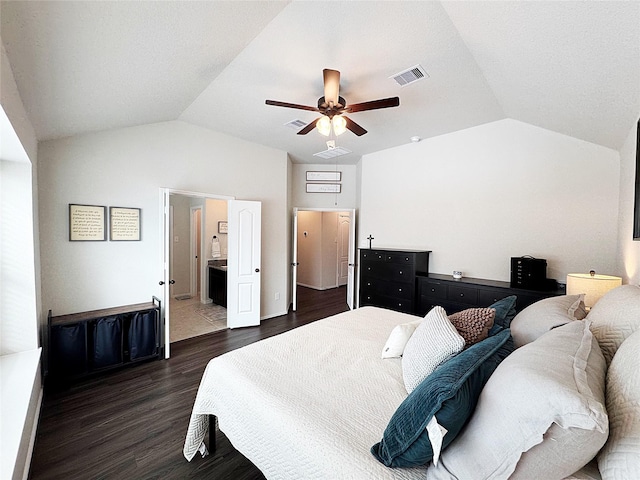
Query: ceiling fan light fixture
[(324, 125), (339, 124)]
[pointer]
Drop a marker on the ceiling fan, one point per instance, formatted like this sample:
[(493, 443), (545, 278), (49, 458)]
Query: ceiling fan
[(333, 107)]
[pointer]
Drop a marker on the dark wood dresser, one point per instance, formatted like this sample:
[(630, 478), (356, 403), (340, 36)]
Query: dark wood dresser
[(458, 294), (388, 277)]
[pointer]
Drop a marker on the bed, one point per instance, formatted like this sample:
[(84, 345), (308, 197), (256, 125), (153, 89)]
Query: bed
[(313, 401), (286, 420)]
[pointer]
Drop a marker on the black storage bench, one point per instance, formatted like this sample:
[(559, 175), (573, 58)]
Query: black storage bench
[(86, 343)]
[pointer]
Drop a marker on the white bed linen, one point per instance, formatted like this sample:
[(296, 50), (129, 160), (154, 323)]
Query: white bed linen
[(311, 402), (308, 403)]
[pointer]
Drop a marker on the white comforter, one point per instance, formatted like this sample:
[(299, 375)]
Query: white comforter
[(308, 403)]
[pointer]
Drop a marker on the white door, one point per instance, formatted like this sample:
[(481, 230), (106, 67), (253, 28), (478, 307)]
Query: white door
[(243, 270), (294, 262), (166, 270), (352, 260), (344, 228)]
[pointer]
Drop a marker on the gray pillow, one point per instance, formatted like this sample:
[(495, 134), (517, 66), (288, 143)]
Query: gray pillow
[(558, 379), (620, 457), (615, 317), (541, 316), (434, 341)]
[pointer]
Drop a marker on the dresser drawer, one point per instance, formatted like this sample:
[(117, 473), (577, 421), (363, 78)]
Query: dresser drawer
[(467, 295), (371, 256), (488, 297), (389, 271), (400, 258), (433, 289), (384, 287)]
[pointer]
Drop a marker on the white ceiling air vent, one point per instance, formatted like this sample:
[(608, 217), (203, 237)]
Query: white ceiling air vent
[(296, 124), (410, 75), (332, 152)]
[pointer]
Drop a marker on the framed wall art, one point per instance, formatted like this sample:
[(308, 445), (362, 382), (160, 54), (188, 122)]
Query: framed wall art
[(87, 223), (125, 224), (323, 188), (324, 176), (223, 227)]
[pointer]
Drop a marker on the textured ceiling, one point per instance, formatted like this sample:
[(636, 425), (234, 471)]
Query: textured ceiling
[(571, 67)]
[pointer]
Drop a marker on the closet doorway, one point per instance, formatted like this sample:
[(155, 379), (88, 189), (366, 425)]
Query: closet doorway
[(323, 250)]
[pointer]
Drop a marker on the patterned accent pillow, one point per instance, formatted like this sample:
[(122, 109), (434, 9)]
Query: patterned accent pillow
[(473, 324), (434, 342)]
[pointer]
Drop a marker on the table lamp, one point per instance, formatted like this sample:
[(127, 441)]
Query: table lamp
[(592, 285)]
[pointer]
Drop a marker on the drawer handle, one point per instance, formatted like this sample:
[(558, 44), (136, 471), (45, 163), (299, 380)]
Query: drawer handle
[(368, 284), (399, 289), (406, 259), (433, 289), (462, 294), (400, 272)]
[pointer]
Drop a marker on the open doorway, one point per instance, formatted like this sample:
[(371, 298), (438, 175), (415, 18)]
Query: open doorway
[(323, 251), (194, 223)]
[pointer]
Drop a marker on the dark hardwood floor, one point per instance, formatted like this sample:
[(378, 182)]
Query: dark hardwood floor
[(131, 424)]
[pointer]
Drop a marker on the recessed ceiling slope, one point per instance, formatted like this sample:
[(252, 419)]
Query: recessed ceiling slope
[(570, 67), (86, 66)]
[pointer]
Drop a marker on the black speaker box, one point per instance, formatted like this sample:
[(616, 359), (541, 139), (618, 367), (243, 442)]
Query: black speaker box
[(529, 273)]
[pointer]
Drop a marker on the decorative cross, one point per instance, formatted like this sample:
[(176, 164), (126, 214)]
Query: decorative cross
[(370, 238)]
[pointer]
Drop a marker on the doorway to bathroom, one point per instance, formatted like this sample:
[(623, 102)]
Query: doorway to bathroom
[(195, 244)]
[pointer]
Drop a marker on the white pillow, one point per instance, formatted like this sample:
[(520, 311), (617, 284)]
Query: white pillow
[(398, 339), (615, 317), (543, 315), (540, 415), (434, 341), (620, 457)]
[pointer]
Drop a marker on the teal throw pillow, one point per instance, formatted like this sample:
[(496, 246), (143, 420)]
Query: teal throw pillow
[(450, 393), (505, 312)]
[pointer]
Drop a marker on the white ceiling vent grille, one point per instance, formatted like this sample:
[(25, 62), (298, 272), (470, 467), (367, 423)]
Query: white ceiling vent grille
[(410, 75), (332, 152), (296, 124)]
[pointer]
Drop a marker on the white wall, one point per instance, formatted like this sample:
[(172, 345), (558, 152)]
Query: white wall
[(127, 167), (480, 196), (347, 198), (629, 250), (310, 249), (217, 211)]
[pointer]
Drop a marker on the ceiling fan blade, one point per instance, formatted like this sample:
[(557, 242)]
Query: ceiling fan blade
[(275, 103), (373, 105), (331, 85), (309, 127), (354, 127)]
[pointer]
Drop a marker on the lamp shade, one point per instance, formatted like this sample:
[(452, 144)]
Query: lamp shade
[(592, 285)]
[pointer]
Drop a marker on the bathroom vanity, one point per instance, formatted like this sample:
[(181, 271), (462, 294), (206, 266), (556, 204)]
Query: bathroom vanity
[(218, 282)]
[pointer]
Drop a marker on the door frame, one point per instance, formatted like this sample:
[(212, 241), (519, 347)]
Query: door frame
[(352, 253), (195, 251), (165, 260)]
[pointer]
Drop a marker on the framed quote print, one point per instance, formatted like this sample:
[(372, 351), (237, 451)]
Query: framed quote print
[(87, 223), (124, 224)]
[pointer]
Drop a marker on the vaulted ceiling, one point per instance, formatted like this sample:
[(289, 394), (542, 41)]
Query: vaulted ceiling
[(570, 67)]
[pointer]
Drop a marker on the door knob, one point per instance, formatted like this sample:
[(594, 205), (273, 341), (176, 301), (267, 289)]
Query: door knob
[(160, 282), (257, 270), (171, 282)]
